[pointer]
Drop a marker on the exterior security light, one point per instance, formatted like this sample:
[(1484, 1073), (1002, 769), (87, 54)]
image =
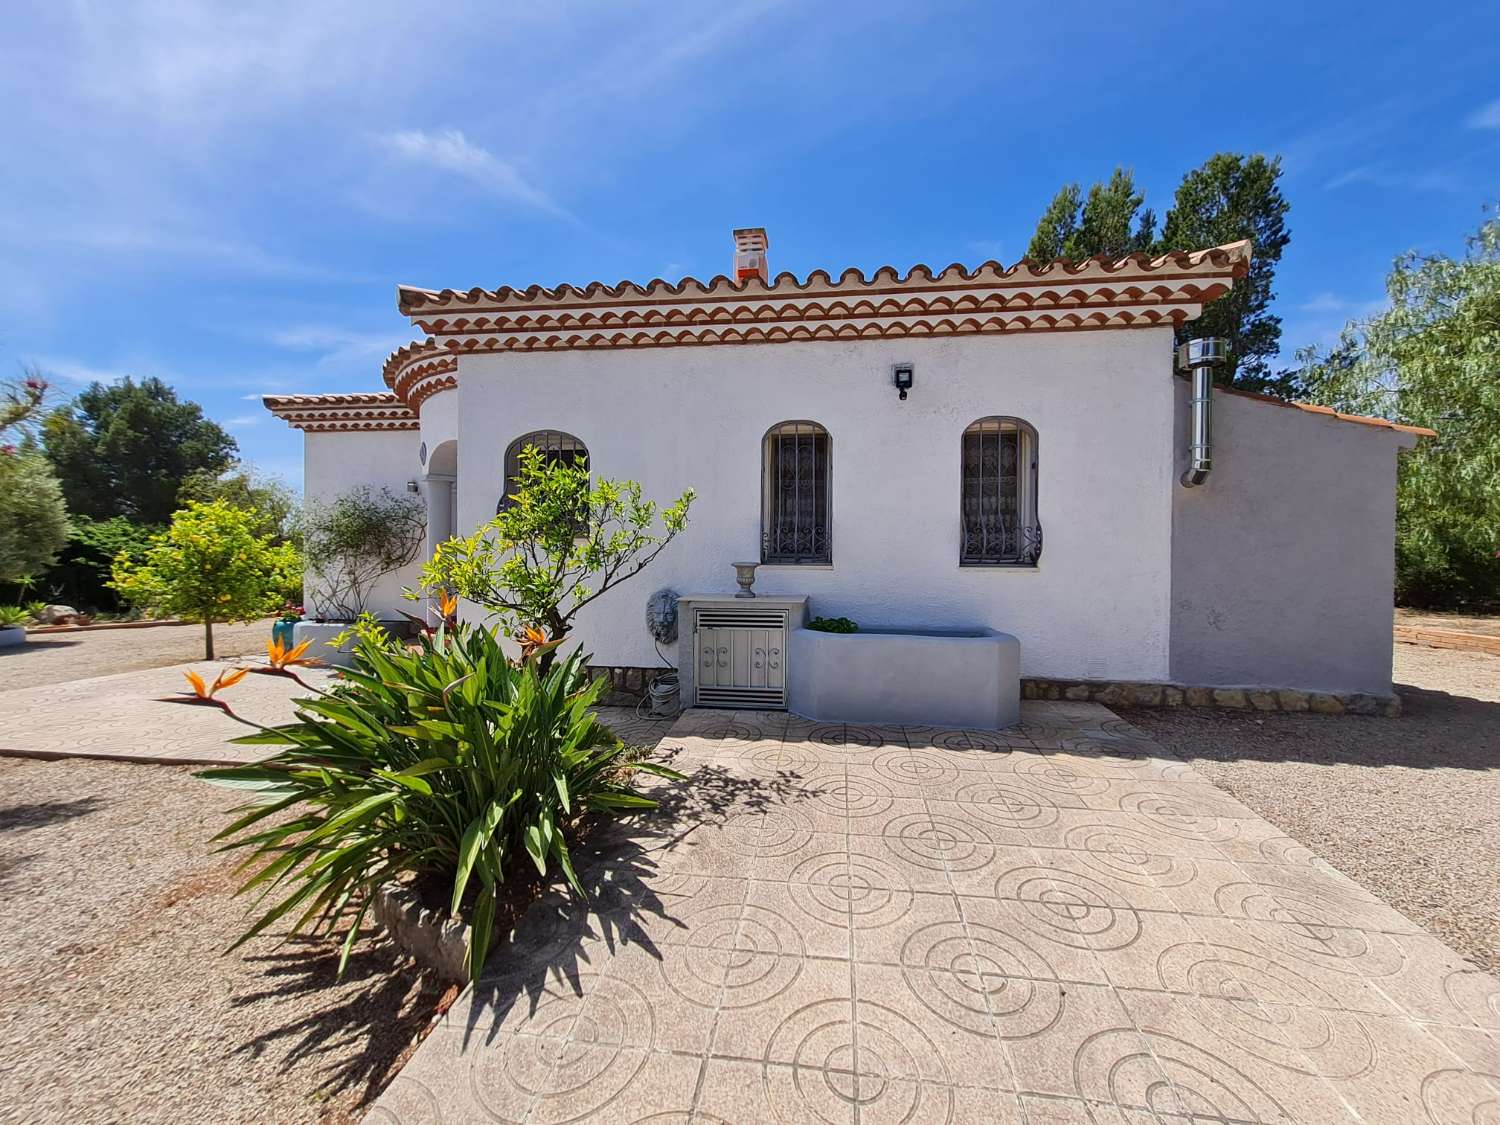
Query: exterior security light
[(413, 486), (902, 375)]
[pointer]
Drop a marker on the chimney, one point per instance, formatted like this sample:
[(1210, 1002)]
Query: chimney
[(750, 245)]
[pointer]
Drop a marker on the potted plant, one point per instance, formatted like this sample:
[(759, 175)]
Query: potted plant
[(13, 619), (350, 544), (282, 628)]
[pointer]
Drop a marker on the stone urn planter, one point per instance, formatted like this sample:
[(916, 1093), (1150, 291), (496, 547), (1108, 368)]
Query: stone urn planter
[(12, 635)]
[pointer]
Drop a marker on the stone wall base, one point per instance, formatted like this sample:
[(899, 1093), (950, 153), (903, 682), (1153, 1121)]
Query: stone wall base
[(628, 686), (1121, 693)]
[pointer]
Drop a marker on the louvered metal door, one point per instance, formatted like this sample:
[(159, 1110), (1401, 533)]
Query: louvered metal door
[(741, 658)]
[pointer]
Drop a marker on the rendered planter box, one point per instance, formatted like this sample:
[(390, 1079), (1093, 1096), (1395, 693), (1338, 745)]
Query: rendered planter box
[(431, 937), (967, 678), (12, 635), (321, 633)]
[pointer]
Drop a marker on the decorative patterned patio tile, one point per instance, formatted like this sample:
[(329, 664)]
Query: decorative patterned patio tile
[(833, 922)]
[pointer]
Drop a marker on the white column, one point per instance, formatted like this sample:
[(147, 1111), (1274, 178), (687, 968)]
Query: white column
[(439, 489)]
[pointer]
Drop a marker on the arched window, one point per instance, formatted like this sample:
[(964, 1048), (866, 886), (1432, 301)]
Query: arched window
[(795, 523), (555, 447), (998, 499)]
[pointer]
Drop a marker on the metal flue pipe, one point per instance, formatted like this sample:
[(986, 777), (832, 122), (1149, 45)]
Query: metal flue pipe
[(1200, 357)]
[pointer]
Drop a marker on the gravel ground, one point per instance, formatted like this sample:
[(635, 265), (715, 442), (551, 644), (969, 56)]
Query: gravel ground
[(1408, 807), (54, 658), (115, 1001)]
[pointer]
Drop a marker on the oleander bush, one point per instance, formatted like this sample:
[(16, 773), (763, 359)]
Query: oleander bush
[(445, 762), (833, 625)]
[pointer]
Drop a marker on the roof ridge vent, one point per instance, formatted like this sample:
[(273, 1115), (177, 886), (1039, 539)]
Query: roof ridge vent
[(750, 245)]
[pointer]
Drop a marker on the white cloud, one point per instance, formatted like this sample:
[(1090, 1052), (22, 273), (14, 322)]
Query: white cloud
[(341, 348), (1486, 117), (448, 150), (988, 248), (71, 371), (240, 421)]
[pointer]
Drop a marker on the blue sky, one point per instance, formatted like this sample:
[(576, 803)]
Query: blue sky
[(226, 196)]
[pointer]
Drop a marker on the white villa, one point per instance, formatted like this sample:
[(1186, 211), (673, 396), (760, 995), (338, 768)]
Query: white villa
[(1046, 474)]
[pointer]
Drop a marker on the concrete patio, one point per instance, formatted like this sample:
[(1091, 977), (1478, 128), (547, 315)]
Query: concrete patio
[(1061, 924)]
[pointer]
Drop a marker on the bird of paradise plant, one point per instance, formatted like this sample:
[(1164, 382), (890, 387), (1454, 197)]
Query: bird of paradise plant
[(282, 658), (204, 693)]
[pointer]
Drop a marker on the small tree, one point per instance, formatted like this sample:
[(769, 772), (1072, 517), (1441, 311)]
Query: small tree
[(354, 541), (562, 541), (209, 566), (33, 519)]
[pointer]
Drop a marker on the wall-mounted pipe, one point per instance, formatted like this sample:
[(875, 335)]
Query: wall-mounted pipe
[(1200, 357)]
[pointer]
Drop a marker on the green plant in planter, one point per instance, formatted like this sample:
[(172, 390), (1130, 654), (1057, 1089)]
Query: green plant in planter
[(12, 616), (833, 625), (445, 762)]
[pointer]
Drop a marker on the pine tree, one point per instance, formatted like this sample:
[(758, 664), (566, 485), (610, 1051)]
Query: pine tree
[(1228, 198)]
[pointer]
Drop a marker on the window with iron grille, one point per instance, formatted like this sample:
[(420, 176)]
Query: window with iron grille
[(998, 501), (555, 447), (795, 521)]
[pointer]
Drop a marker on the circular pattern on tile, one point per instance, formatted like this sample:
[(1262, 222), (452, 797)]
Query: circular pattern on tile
[(1316, 913), (406, 1102), (1129, 855), (853, 795), (1284, 849), (914, 769), (751, 955), (587, 1048), (1057, 776), (1268, 1009), (1177, 815), (967, 975), (1476, 994), (1007, 803), (846, 736), (896, 1072), (785, 758), (1126, 1067), (1069, 908), (938, 842), (729, 730), (1461, 1097), (969, 742), (831, 888), (782, 833)]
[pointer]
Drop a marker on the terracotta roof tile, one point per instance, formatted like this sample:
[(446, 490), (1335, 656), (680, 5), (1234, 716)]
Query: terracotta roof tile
[(1329, 412)]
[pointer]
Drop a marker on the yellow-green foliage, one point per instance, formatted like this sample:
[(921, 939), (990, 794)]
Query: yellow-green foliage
[(210, 566)]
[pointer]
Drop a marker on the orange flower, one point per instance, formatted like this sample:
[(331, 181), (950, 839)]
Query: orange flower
[(448, 605), (282, 657), (204, 692)]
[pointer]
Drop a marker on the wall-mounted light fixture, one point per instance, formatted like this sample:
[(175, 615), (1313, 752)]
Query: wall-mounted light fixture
[(413, 486), (903, 374)]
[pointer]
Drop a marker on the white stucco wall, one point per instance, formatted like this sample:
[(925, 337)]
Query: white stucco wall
[(336, 463), (1283, 562), (1101, 402)]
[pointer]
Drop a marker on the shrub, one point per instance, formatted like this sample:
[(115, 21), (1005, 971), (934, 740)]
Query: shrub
[(209, 566), (33, 518), (445, 762), (14, 615), (833, 625), (562, 542), (356, 539)]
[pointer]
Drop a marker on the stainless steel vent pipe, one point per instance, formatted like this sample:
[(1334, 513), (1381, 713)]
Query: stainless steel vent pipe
[(1200, 357)]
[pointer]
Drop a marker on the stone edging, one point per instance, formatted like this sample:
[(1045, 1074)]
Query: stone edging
[(103, 625), (1447, 638), (1120, 693)]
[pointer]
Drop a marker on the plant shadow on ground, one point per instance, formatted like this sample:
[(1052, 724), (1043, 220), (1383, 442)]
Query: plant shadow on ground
[(617, 863), (24, 818), (372, 1017), (1436, 730), (32, 644)]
